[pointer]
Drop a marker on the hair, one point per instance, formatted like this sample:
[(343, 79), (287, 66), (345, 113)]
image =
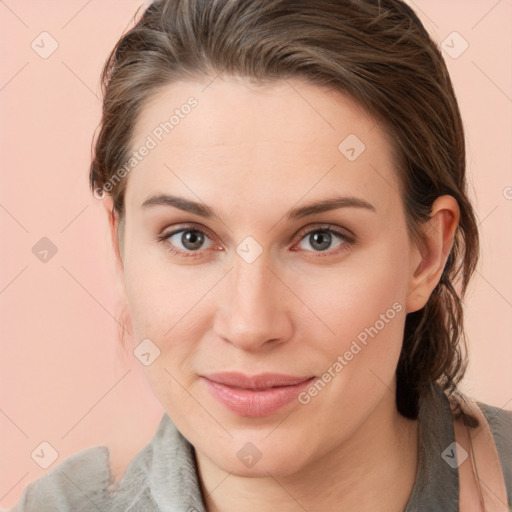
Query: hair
[(375, 51)]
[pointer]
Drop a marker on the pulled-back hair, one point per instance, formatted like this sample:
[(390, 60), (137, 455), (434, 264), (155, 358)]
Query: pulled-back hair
[(375, 51)]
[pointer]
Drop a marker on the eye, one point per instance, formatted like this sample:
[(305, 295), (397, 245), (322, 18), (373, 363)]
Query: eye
[(325, 239), (192, 241), (187, 239)]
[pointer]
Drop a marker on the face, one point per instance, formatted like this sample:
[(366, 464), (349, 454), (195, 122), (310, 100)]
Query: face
[(278, 325)]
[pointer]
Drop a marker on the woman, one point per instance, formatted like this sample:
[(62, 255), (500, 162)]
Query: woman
[(285, 182)]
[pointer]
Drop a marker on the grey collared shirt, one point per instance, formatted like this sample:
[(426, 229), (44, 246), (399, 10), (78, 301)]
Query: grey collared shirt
[(163, 476)]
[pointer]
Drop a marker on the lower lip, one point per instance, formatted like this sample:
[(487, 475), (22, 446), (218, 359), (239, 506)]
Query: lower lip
[(254, 403)]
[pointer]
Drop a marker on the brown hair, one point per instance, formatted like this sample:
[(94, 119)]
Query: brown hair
[(377, 52)]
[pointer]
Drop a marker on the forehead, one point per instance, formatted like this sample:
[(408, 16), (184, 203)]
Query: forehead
[(252, 144)]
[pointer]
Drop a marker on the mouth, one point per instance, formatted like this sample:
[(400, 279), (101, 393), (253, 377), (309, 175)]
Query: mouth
[(255, 396)]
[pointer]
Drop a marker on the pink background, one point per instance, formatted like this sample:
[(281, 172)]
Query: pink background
[(64, 377)]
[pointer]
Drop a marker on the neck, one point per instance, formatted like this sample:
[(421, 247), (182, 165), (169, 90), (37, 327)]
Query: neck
[(374, 470)]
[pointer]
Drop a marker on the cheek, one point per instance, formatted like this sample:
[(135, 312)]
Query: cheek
[(352, 301), (169, 306), (363, 307), (162, 296)]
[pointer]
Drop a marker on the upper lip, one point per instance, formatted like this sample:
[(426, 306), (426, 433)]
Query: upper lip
[(256, 382)]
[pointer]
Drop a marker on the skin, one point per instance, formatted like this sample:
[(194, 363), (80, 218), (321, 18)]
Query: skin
[(254, 153)]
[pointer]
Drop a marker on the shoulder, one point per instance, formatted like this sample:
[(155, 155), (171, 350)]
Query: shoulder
[(79, 482), (500, 423), (162, 476)]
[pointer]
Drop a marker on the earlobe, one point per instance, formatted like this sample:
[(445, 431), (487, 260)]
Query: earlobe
[(430, 259)]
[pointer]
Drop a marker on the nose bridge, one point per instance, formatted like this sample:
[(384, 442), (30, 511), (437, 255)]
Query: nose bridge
[(251, 284), (255, 310)]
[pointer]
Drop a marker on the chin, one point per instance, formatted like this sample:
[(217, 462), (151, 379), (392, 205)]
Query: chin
[(259, 458)]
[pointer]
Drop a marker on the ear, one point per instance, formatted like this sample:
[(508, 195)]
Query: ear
[(116, 234), (429, 260)]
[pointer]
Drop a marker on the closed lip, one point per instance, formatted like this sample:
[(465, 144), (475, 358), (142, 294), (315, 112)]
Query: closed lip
[(254, 395), (255, 382)]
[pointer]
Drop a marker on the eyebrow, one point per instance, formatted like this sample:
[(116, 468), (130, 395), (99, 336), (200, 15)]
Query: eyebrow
[(203, 210)]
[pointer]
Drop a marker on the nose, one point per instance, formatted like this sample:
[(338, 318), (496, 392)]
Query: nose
[(253, 312)]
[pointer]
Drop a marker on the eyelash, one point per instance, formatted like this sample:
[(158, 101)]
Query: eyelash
[(347, 244)]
